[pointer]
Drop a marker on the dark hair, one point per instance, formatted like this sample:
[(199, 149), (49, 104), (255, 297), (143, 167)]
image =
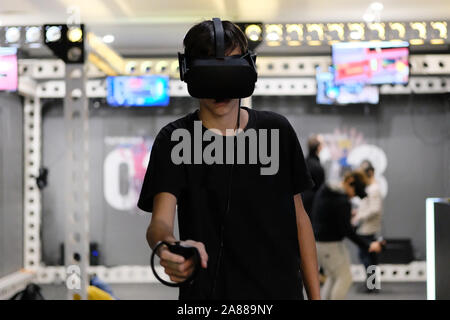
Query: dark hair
[(368, 168), (200, 42), (313, 144), (357, 175)]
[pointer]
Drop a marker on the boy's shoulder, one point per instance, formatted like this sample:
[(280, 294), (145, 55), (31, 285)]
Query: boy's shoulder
[(270, 119), (184, 122)]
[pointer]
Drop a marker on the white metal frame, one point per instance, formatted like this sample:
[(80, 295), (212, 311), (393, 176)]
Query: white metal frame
[(290, 76)]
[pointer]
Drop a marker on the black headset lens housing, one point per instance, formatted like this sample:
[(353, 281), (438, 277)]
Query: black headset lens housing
[(219, 77)]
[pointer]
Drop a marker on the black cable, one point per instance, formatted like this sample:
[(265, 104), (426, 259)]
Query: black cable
[(222, 227)]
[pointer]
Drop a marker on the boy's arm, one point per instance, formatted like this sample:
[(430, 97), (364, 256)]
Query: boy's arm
[(162, 222), (308, 254), (161, 229)]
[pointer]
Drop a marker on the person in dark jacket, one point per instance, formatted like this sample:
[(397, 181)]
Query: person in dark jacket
[(331, 222), (315, 144)]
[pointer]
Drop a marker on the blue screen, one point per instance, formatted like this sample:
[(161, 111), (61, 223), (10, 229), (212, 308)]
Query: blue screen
[(138, 91), (330, 93)]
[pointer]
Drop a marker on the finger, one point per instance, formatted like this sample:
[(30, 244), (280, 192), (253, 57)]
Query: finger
[(169, 256), (175, 273), (176, 279), (181, 274), (186, 265), (201, 250), (171, 264)]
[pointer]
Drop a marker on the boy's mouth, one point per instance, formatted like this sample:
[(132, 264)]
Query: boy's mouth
[(222, 100)]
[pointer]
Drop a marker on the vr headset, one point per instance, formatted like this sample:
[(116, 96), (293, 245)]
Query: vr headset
[(219, 77), (360, 188)]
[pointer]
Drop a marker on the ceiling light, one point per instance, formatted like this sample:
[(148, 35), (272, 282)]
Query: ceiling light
[(376, 6), (368, 17), (109, 38)]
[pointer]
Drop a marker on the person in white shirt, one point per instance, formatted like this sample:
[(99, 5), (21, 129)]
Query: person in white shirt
[(368, 215)]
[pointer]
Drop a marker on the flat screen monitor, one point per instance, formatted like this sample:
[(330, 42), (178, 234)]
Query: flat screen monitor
[(374, 63), (330, 93), (8, 69), (138, 91)]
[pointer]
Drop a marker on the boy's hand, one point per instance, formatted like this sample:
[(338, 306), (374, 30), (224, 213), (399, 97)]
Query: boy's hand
[(375, 246), (176, 266)]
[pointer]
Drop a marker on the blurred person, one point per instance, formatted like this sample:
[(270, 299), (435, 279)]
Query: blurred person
[(368, 216), (331, 222), (315, 145), (268, 249)]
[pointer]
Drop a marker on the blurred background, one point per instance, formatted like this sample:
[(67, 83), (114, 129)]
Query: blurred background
[(74, 147)]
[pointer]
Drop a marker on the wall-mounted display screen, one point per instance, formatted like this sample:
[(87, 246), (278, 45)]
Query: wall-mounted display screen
[(138, 91), (8, 69), (381, 62), (330, 93)]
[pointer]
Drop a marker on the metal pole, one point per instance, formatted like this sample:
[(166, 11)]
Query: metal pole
[(76, 245)]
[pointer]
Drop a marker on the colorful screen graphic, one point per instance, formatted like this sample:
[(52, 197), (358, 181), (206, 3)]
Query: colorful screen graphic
[(330, 93), (371, 62), (140, 91), (8, 69)]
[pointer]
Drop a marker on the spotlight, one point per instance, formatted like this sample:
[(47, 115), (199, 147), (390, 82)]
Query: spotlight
[(254, 33), (146, 67), (109, 38), (66, 42), (74, 34), (274, 33), (161, 67), (294, 34), (12, 35), (441, 28), (53, 34), (131, 67), (399, 28), (33, 34), (74, 54)]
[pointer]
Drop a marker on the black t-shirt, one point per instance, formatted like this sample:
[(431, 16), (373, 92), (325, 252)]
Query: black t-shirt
[(318, 176), (261, 257), (332, 217)]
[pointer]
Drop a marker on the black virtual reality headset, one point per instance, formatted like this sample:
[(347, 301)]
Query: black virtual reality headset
[(360, 188), (219, 77)]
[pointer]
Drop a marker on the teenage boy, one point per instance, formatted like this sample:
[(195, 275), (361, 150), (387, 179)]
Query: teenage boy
[(253, 235)]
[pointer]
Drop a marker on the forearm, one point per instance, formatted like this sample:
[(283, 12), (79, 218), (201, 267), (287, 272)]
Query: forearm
[(159, 231), (308, 255)]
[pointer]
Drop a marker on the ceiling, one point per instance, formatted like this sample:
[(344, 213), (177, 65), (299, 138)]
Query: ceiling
[(143, 27)]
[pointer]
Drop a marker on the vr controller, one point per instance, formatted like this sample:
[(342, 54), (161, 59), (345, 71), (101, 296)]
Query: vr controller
[(185, 252)]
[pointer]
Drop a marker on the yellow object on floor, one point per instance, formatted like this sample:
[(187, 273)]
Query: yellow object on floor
[(95, 293)]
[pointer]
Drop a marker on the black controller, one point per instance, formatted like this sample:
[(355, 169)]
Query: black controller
[(185, 252)]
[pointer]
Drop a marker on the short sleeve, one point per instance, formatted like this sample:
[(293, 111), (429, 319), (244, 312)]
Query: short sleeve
[(301, 177), (162, 174)]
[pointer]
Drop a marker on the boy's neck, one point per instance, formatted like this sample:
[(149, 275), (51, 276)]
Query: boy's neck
[(223, 122)]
